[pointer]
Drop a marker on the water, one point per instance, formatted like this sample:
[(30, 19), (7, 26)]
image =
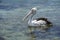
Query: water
[(13, 28)]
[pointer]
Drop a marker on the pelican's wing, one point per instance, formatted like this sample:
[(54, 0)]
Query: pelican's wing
[(39, 23)]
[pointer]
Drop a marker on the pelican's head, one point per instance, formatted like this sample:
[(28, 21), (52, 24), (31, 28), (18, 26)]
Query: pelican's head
[(33, 11)]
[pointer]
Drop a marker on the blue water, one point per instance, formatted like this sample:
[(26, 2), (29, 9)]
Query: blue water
[(12, 12)]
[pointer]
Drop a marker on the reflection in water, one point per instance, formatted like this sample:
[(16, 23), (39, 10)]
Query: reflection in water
[(38, 32)]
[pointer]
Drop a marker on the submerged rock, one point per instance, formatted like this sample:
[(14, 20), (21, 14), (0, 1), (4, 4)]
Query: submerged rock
[(1, 38)]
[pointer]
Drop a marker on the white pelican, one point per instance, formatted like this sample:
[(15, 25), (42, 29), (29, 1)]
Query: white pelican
[(38, 21)]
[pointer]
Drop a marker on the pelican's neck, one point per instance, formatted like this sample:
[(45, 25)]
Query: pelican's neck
[(31, 18), (33, 12)]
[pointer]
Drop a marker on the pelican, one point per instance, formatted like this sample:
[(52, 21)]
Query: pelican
[(38, 21)]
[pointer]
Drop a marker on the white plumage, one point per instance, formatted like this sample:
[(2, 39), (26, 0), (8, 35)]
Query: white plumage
[(36, 23)]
